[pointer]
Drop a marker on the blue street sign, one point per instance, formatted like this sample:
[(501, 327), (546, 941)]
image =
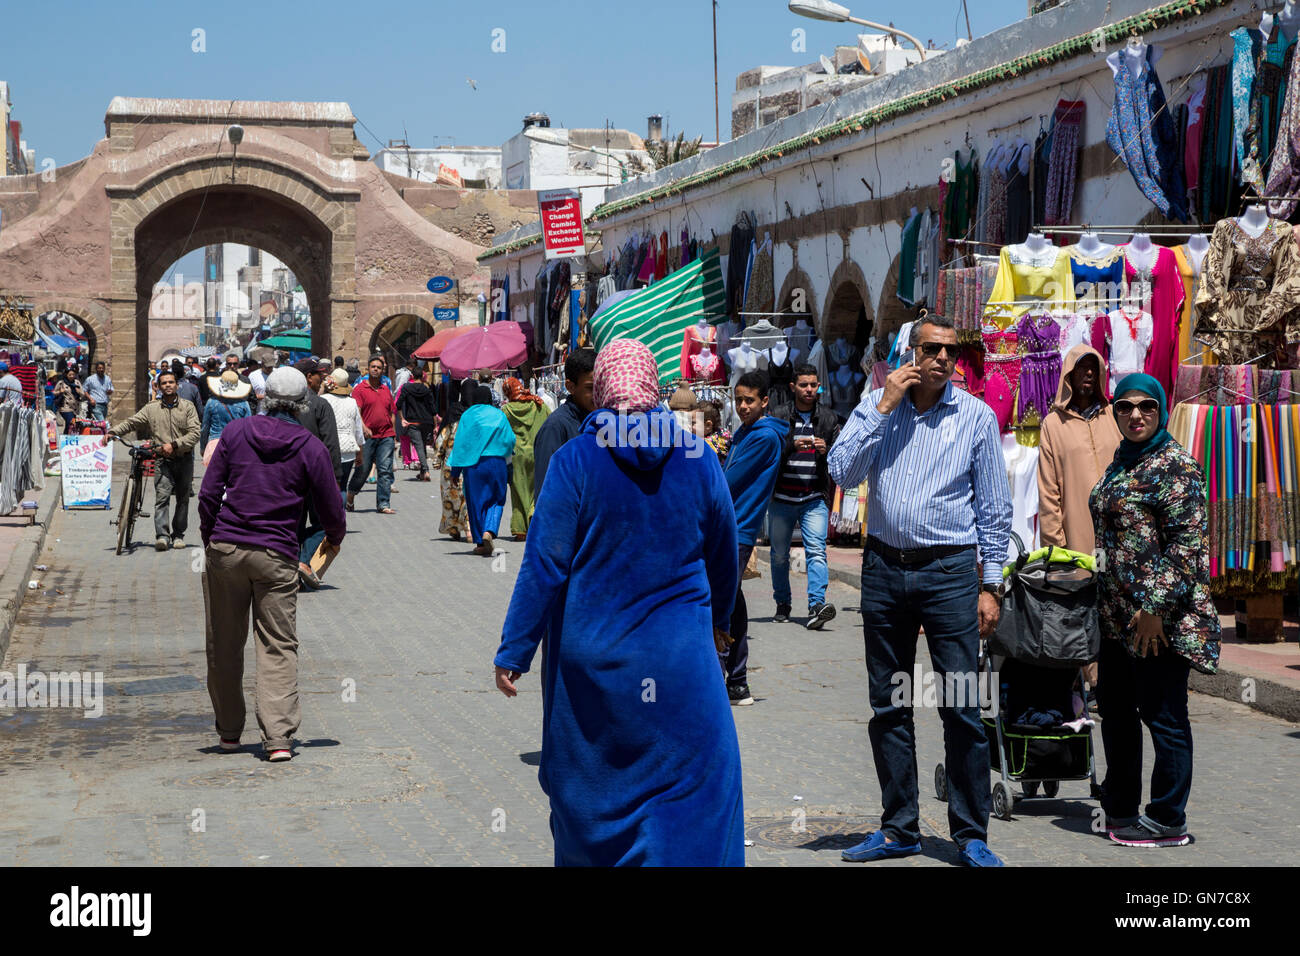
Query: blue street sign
[(442, 315), (439, 284)]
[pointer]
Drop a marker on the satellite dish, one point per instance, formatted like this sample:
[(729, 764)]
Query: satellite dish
[(827, 65)]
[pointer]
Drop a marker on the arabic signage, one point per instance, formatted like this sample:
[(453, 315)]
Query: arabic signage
[(561, 212)]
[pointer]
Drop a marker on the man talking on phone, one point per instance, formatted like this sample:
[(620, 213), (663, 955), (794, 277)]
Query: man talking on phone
[(937, 490), (802, 495)]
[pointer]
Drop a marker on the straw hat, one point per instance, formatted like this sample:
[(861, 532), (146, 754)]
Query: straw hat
[(336, 383), (229, 387)]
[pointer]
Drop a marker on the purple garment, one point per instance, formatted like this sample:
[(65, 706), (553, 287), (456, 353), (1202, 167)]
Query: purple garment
[(268, 468), (1039, 339)]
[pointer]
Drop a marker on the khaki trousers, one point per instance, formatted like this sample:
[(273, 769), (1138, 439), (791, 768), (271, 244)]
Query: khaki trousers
[(239, 578)]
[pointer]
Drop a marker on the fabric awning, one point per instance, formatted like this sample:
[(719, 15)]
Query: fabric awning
[(660, 314)]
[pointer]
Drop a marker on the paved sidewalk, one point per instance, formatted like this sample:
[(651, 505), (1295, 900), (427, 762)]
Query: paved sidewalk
[(419, 764), (1273, 669)]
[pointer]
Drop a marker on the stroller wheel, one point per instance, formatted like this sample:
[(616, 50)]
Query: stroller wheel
[(1002, 801), (940, 783), (1051, 788), (1030, 789)]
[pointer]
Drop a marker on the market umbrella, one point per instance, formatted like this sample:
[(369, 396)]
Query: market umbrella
[(659, 314), (433, 346), (496, 346), (295, 341)]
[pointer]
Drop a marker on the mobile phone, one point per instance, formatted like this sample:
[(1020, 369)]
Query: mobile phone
[(915, 361)]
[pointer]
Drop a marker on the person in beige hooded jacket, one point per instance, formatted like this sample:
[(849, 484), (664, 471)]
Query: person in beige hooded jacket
[(1078, 442)]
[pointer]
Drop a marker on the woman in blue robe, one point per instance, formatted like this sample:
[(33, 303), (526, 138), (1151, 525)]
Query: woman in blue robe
[(630, 573), (484, 443)]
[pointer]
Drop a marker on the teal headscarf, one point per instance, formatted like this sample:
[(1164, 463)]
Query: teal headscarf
[(1130, 453), (482, 432)]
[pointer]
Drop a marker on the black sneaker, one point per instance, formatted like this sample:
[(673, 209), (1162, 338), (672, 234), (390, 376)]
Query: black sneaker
[(739, 694), (1147, 833), (820, 615), (782, 614)]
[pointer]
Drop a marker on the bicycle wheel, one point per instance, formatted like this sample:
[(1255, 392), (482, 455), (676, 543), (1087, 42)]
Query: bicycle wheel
[(123, 526), (137, 498)]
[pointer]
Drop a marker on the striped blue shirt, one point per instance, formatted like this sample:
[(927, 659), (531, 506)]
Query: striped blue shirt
[(935, 478)]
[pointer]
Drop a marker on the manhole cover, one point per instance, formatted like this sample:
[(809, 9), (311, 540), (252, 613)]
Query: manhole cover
[(161, 685), (811, 833)]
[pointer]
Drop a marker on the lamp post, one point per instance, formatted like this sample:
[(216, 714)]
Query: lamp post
[(235, 133), (835, 13)]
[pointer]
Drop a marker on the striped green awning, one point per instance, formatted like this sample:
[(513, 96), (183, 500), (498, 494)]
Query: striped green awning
[(660, 314)]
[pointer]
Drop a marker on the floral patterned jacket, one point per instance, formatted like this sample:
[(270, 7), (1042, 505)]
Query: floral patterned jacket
[(1153, 539)]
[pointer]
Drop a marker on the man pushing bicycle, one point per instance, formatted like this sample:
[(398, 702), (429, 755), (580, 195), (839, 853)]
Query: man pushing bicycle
[(173, 424)]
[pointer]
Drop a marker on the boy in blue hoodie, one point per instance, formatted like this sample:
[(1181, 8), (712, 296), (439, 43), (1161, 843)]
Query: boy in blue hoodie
[(751, 471)]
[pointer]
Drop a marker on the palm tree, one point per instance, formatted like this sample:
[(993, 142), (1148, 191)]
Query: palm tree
[(666, 152)]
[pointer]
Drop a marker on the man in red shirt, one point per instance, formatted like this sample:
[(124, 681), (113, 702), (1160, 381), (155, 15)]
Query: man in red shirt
[(377, 409)]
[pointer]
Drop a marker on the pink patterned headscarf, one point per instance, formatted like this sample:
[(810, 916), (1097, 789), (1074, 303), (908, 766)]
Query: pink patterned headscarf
[(626, 376)]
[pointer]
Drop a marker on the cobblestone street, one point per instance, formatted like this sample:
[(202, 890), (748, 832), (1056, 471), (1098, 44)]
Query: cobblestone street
[(429, 756)]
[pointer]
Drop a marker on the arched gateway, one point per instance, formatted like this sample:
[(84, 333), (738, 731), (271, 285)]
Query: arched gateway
[(95, 237)]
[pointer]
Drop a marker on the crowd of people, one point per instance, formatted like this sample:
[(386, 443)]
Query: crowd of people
[(288, 448), (661, 785)]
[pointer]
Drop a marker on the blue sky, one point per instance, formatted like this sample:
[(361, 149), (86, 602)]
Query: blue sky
[(405, 71)]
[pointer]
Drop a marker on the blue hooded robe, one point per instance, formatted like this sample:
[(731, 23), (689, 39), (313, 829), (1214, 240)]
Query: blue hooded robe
[(631, 563)]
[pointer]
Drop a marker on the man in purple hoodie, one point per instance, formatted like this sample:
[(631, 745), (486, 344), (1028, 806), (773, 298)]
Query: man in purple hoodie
[(265, 471)]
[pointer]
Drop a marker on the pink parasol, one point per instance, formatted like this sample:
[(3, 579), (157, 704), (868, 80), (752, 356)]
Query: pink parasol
[(497, 346), (433, 346)]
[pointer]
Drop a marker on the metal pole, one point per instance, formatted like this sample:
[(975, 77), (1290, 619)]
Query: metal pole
[(886, 28), (717, 129), (966, 10)]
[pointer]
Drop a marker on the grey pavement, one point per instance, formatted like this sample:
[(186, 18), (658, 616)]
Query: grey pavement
[(426, 763)]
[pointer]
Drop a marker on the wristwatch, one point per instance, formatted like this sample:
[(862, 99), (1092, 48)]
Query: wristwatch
[(997, 590)]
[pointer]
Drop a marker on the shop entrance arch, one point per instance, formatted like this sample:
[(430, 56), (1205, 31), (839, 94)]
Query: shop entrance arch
[(396, 336), (848, 315)]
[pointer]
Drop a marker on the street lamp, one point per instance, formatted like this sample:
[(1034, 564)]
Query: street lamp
[(235, 133), (835, 13)]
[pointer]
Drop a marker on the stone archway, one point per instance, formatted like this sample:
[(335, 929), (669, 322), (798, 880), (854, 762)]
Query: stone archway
[(271, 207), (799, 296), (93, 316), (398, 335), (848, 314), (166, 179)]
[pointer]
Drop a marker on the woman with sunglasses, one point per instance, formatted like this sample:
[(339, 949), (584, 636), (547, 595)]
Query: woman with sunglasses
[(1157, 618)]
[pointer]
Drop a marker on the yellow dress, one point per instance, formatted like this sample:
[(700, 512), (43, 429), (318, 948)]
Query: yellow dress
[(1187, 344), (1023, 275)]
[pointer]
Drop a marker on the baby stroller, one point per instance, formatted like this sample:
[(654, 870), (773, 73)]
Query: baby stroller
[(1038, 735)]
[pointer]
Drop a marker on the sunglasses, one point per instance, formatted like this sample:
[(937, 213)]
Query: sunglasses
[(1148, 406), (932, 349)]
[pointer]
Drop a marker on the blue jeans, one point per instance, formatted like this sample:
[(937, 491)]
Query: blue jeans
[(943, 597), (379, 453), (1133, 691), (735, 659), (99, 411), (813, 518)]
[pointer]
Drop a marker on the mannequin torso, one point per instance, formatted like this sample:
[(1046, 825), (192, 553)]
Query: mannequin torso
[(1036, 244), (1198, 244), (1092, 247), (1134, 57), (1141, 252), (1253, 221)]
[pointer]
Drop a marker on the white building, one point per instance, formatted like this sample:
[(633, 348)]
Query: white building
[(592, 160), (234, 280), (476, 166)]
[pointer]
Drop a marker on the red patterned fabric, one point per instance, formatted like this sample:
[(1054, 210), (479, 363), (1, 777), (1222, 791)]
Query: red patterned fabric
[(626, 376)]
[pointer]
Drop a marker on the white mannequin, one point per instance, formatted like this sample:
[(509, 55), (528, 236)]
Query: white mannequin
[(1092, 247), (743, 358), (1287, 19), (1198, 244), (778, 353), (706, 353), (1134, 56), (1036, 243), (702, 329), (1253, 221), (1141, 252)]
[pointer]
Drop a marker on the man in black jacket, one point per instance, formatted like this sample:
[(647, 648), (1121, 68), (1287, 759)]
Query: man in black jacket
[(566, 421), (802, 494), (417, 414), (319, 420)]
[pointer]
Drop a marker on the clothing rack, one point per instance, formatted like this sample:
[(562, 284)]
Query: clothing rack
[(1171, 232), (975, 242)]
